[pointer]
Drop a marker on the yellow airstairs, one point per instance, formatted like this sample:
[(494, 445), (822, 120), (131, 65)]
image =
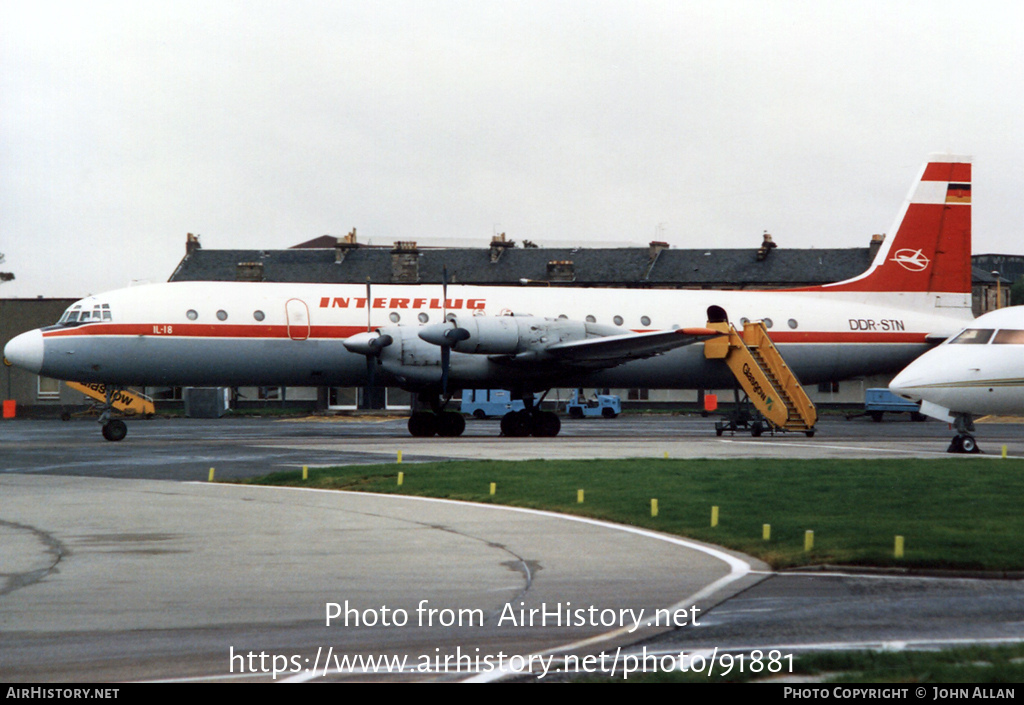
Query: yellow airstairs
[(765, 377)]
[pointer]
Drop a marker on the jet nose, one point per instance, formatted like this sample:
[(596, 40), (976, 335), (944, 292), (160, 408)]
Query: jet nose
[(26, 351), (903, 384)]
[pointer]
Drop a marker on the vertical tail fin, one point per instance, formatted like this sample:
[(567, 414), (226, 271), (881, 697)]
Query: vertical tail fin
[(930, 246)]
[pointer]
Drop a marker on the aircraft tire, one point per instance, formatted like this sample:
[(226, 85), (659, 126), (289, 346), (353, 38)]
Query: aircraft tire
[(450, 424), (956, 445), (423, 424), (115, 430), (546, 424), (516, 424), (968, 444)]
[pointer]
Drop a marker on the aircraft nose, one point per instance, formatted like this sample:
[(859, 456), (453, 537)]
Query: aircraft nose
[(903, 384), (26, 351)]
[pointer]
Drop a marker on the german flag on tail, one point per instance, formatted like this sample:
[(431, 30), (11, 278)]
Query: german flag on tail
[(958, 193)]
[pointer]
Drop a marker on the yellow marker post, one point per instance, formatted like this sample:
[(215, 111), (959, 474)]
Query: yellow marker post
[(305, 472), (808, 541), (666, 455), (211, 475), (579, 496), (1004, 451), (654, 507), (494, 487), (898, 552), (714, 516), (401, 478), (766, 531), (399, 457)]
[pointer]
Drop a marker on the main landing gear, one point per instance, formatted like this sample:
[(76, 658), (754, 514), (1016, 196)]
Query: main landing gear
[(530, 421), (447, 424), (963, 441)]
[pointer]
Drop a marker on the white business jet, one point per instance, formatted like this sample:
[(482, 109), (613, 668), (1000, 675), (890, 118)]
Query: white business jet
[(433, 339), (977, 372)]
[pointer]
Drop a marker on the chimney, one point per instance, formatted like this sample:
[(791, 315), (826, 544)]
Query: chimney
[(249, 272), (405, 263), (561, 271), (655, 249), (344, 245), (498, 246), (766, 246), (876, 244), (192, 243)]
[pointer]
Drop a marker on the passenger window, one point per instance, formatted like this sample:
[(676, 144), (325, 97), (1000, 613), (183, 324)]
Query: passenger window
[(645, 320), (973, 336), (1009, 337), (192, 315)]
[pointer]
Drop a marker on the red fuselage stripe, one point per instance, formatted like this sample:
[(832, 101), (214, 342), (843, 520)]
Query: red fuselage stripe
[(279, 332)]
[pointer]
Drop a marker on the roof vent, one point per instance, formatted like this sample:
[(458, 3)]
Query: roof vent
[(561, 271), (249, 272)]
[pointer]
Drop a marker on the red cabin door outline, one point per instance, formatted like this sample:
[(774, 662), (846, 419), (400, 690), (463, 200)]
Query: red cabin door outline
[(298, 319)]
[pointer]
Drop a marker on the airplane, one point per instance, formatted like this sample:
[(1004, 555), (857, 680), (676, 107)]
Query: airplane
[(432, 339), (977, 372)]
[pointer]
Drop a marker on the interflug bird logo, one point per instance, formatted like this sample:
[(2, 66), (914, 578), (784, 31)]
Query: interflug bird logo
[(912, 260)]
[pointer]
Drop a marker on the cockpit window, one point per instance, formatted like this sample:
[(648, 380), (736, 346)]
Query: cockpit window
[(1009, 336), (973, 336), (76, 315)]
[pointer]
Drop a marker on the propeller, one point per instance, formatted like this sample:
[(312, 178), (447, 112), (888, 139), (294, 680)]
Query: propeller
[(449, 337), (371, 343)]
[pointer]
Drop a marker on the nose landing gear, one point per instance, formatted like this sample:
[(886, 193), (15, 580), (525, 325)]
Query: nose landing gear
[(113, 429), (963, 441)]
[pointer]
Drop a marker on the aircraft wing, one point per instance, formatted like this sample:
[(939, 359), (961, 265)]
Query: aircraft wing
[(613, 350)]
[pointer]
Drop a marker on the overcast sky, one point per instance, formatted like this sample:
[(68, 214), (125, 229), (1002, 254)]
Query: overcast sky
[(125, 125)]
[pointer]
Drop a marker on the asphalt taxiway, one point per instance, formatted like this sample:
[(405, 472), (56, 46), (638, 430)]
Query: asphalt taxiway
[(116, 568), (186, 449)]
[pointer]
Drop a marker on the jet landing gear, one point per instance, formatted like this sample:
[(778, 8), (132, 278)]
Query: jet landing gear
[(530, 421), (963, 441), (447, 424)]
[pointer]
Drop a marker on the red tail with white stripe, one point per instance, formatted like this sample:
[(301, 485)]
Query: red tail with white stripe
[(930, 249)]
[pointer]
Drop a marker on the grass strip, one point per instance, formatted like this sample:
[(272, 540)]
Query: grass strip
[(961, 513)]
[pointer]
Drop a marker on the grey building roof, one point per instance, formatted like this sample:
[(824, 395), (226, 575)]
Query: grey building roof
[(590, 266), (316, 261)]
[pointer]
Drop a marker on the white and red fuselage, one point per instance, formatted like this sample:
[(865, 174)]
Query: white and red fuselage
[(234, 334)]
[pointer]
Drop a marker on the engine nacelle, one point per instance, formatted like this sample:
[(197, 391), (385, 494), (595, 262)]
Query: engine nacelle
[(506, 335)]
